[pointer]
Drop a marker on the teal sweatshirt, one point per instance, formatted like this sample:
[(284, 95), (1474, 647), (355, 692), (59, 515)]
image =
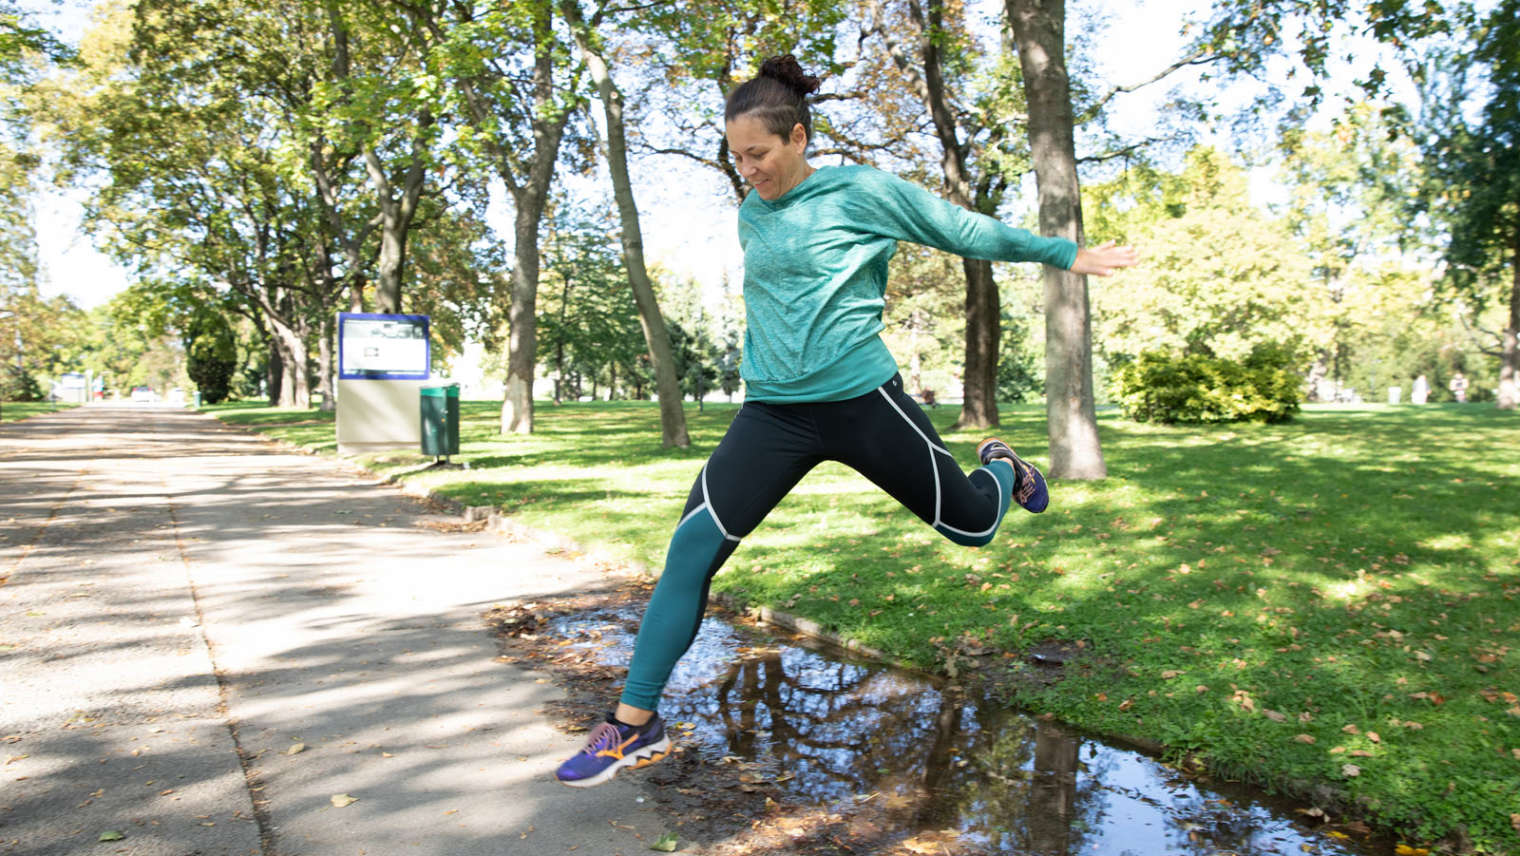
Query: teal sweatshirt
[(815, 276)]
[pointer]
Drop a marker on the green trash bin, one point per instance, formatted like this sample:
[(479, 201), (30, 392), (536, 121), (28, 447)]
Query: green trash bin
[(440, 420)]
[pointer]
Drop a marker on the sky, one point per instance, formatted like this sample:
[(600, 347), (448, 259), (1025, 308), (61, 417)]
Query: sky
[(687, 213)]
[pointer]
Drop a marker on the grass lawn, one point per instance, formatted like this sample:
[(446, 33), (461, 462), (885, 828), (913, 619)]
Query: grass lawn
[(11, 411), (1336, 600)]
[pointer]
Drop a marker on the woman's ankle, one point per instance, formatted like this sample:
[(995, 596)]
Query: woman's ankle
[(629, 715)]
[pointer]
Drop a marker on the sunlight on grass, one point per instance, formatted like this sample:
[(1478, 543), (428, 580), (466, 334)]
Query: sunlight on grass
[(1344, 569)]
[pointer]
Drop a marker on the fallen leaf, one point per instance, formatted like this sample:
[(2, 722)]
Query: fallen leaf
[(111, 835), (1274, 715), (1304, 738), (342, 800), (1171, 673), (1351, 729), (296, 749), (666, 843), (1351, 770), (1373, 736), (1406, 850)]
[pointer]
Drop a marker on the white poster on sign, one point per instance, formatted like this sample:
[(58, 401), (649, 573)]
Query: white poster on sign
[(383, 347)]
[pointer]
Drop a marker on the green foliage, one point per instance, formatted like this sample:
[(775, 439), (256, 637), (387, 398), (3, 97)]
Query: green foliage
[(210, 356), (1193, 388), (1020, 373), (1469, 132), (588, 328), (1220, 277), (17, 384)]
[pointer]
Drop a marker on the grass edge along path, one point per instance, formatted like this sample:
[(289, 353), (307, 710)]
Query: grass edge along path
[(1328, 606), (15, 411)]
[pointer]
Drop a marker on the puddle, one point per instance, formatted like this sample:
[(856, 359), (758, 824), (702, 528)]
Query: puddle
[(815, 728)]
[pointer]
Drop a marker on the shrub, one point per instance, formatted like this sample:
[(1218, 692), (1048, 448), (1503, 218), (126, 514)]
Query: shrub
[(17, 384), (1166, 387)]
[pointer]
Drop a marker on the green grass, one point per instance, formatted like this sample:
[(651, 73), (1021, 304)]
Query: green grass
[(1352, 577), (11, 411)]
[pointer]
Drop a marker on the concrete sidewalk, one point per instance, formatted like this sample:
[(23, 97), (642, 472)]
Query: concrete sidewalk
[(181, 604)]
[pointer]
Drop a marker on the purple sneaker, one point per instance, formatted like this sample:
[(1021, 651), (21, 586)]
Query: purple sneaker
[(1029, 489), (612, 746)]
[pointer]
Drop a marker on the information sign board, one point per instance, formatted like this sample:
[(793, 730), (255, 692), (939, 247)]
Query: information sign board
[(383, 347)]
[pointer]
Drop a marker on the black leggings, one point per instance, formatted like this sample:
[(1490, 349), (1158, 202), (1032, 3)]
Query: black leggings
[(768, 449)]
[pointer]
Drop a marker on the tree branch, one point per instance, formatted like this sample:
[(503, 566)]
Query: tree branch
[(1197, 58)]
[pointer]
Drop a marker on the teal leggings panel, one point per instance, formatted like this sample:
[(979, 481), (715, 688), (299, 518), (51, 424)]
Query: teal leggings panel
[(675, 609), (1001, 473)]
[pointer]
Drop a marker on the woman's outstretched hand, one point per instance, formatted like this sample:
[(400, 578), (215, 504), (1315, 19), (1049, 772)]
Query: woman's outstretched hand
[(1104, 259)]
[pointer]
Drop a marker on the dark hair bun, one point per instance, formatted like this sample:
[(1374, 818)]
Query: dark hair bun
[(786, 70)]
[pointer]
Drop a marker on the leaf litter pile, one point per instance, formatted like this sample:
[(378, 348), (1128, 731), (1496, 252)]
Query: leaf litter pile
[(783, 749)]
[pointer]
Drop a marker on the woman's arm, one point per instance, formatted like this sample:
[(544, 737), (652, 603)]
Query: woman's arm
[(1104, 259)]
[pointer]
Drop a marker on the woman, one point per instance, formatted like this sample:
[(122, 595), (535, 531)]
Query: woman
[(819, 382)]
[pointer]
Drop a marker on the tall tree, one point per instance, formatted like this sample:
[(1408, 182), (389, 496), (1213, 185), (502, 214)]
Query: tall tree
[(976, 147), (667, 388), (516, 93), (1473, 163), (1039, 28), (376, 105)]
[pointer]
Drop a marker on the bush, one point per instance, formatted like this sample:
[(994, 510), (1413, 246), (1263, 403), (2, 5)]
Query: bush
[(1165, 387), (17, 384)]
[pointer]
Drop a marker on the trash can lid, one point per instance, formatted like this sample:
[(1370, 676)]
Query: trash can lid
[(450, 390)]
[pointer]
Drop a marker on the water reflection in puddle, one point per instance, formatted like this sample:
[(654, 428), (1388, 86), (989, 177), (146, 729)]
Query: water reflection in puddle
[(832, 731)]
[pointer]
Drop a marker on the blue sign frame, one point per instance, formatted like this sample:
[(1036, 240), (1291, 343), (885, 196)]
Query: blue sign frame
[(382, 328)]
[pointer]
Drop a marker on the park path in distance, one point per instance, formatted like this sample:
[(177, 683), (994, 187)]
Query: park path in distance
[(182, 604)]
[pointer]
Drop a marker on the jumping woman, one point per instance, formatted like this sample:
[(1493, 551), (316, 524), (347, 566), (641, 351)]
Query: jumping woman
[(820, 385)]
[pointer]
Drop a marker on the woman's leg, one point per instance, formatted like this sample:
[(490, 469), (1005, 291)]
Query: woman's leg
[(766, 451), (888, 439)]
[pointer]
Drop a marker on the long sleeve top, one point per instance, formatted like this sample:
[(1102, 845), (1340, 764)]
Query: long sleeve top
[(815, 276)]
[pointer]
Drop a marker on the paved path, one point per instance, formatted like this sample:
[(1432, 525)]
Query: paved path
[(182, 603)]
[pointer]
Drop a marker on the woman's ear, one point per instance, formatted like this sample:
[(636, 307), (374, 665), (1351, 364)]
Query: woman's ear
[(799, 135)]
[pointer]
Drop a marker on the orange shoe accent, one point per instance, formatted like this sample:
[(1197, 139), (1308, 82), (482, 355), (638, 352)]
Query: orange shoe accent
[(617, 751), (651, 759)]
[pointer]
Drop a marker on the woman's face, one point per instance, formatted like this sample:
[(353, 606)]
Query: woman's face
[(772, 164)]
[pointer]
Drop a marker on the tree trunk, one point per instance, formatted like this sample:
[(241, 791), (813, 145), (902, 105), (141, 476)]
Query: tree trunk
[(1039, 30), (295, 389), (1509, 366), (274, 373), (326, 365), (980, 374), (672, 416), (397, 209), (522, 319)]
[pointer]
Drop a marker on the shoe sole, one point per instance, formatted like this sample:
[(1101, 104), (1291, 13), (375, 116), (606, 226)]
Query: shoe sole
[(642, 758)]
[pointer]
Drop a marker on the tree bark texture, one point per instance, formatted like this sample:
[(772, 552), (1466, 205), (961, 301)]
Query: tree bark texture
[(1509, 366), (1039, 31), (979, 376), (656, 337), (326, 364), (398, 207), (522, 317)]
